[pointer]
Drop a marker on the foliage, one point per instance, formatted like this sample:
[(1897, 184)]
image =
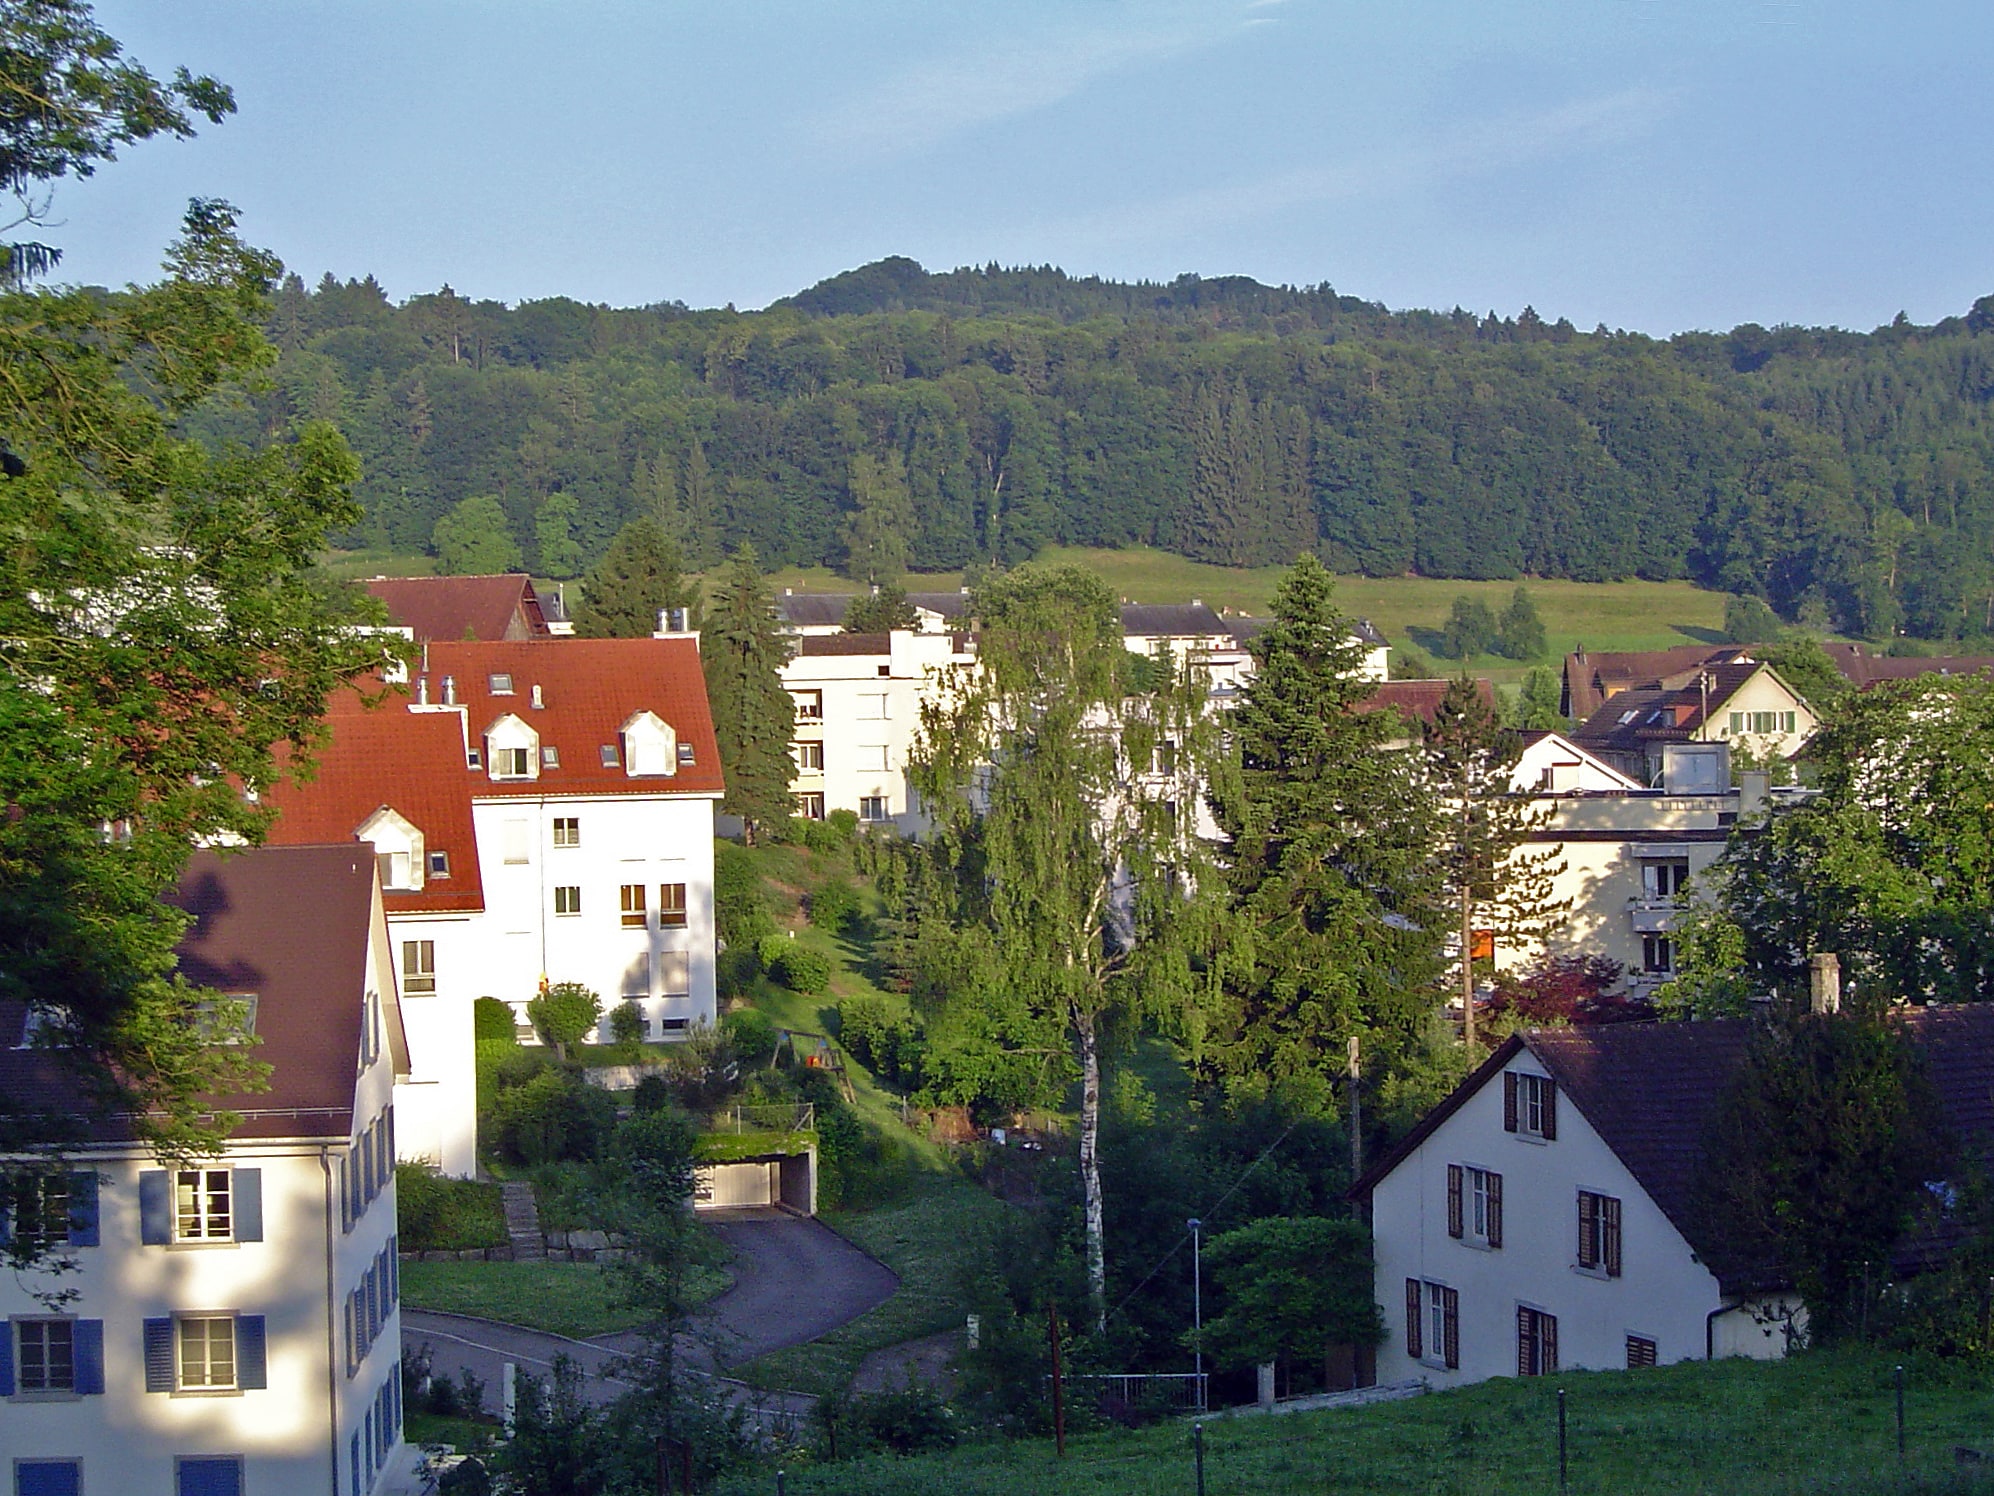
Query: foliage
[(1818, 1157), (1290, 1286), (1805, 666), (1747, 620), (878, 535), (1471, 629), (801, 969), (626, 1024), (1520, 632), (493, 1020), (740, 906), (833, 905), (752, 1033), (1329, 870), (638, 578), (911, 1419), (887, 1044), (549, 1117), (880, 611), (446, 1215), (475, 539), (1554, 990), (743, 649), (563, 1013), (557, 552), (1538, 706), (1891, 866)]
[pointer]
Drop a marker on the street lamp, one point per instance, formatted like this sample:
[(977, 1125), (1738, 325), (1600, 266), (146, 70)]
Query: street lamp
[(1198, 1306)]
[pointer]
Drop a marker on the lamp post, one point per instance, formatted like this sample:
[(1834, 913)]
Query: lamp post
[(1198, 1306)]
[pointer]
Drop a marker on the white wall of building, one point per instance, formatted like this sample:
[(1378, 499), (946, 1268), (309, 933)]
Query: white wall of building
[(1662, 1293)]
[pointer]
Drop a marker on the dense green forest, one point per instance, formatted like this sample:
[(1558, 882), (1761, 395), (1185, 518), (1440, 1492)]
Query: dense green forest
[(1846, 478)]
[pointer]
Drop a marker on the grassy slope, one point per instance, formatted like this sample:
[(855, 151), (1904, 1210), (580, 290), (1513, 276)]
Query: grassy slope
[(566, 1298), (1816, 1423), (914, 1233)]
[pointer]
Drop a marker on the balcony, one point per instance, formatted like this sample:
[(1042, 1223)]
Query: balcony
[(1653, 916)]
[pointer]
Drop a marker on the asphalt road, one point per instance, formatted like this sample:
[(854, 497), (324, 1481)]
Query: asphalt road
[(794, 1279)]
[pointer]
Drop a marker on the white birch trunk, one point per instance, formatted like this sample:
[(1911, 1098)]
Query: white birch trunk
[(1090, 1166)]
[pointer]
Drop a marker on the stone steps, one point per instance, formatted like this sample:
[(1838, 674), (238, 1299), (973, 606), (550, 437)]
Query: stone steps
[(522, 1222)]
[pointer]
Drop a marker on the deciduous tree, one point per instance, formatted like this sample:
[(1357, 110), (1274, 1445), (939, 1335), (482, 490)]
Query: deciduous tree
[(475, 539)]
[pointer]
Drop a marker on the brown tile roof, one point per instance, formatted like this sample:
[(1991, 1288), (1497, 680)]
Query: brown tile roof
[(1592, 678), (1419, 700), (411, 759), (1865, 669), (1668, 713), (289, 924), (1650, 1090), (844, 644), (455, 608)]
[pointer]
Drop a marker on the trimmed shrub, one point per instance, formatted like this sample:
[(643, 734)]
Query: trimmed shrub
[(493, 1020), (752, 1033), (626, 1024), (834, 905), (802, 970), (563, 1014)]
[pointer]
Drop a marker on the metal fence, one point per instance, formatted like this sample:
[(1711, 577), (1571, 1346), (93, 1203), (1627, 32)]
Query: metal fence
[(785, 1116)]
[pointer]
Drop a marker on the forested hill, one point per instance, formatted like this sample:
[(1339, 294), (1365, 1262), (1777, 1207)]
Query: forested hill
[(943, 419)]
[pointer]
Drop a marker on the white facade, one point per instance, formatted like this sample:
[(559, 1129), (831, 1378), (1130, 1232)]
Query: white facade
[(857, 718), (210, 1349), (1657, 1300)]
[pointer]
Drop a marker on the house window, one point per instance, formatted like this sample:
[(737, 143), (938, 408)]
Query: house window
[(1474, 1205), (394, 869), (671, 906), (809, 706), (1529, 1105), (206, 1346), (610, 757), (1433, 1323), (1658, 955), (201, 1205), (1640, 1351), (1599, 1233), (568, 899), (418, 966), (500, 682), (633, 905), (511, 763), (871, 758), (474, 758), (1664, 878), (208, 1477), (674, 973), (550, 757), (1763, 722), (810, 805), (516, 843), (439, 864), (873, 808), (809, 757), (567, 831), (1163, 758), (872, 706), (1536, 1342), (45, 1355), (41, 1210)]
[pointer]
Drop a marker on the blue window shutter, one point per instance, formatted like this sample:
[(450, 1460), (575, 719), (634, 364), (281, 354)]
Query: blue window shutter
[(159, 1355), (155, 1208), (88, 1339), (6, 1359), (83, 1209), (209, 1478), (6, 1219), (48, 1478), (356, 1464), (246, 1190), (346, 1191), (252, 1372)]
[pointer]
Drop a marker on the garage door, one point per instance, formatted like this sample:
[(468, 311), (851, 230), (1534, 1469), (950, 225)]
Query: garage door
[(721, 1185)]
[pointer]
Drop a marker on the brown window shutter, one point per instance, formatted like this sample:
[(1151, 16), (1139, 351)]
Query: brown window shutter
[(1641, 1351), (1609, 1209), (1450, 1322), (1454, 1225), (1547, 1337), (1526, 1343), (1550, 1093), (1412, 1309), (1508, 1102), (1495, 1209), (1588, 1229)]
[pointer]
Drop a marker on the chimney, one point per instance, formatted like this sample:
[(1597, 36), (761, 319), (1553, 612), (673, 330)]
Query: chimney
[(1824, 982), (422, 690), (449, 690), (539, 701)]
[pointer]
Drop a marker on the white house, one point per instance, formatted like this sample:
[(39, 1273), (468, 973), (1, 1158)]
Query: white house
[(541, 810), (235, 1325), (858, 712), (1744, 705), (1541, 1216)]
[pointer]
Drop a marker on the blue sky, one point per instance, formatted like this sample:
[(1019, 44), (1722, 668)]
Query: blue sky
[(1650, 164)]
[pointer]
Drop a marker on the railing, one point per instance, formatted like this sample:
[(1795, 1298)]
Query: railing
[(1171, 1389), (781, 1117)]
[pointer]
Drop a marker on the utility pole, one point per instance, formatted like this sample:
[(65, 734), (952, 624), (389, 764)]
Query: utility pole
[(1198, 1305)]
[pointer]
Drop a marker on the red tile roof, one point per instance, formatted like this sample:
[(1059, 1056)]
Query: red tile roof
[(289, 924), (1864, 669), (412, 758), (1419, 700), (487, 608)]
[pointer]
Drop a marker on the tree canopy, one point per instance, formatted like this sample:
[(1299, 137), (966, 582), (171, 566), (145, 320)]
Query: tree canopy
[(640, 577), (742, 649)]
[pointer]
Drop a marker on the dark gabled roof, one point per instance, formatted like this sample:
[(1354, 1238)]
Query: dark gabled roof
[(948, 605), (289, 924), (814, 609), (1246, 626), (448, 608), (1650, 1091), (845, 644), (1663, 713), (1418, 700), (1593, 678), (1864, 669), (1172, 621)]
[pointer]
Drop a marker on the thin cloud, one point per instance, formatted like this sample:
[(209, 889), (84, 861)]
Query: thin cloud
[(1490, 145), (930, 102)]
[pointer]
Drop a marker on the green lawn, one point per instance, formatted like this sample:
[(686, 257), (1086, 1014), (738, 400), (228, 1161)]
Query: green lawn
[(577, 1299), (1818, 1423)]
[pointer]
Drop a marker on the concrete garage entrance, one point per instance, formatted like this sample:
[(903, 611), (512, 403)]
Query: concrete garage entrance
[(788, 1180)]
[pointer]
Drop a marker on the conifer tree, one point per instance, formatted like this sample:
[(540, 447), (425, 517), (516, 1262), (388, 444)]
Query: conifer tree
[(1336, 901), (742, 648), (1520, 633), (1494, 886), (638, 577), (880, 533), (554, 536)]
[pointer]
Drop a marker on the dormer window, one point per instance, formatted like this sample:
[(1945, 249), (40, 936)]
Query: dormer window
[(649, 745), (398, 849), (500, 682), (512, 748)]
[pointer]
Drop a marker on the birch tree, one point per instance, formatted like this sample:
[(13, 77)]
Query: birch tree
[(1067, 807)]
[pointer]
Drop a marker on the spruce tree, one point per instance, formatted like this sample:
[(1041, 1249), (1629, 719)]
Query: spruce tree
[(1520, 634), (742, 648), (1336, 900), (638, 577)]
